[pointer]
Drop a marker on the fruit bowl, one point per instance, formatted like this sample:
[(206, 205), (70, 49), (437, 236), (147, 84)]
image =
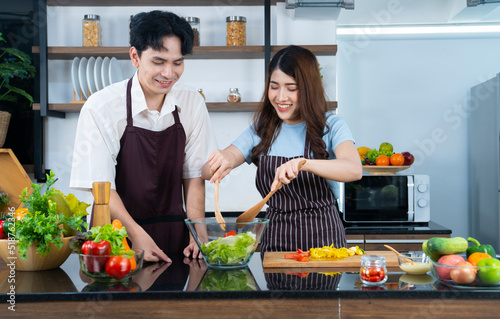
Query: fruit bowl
[(232, 248), (95, 266), (384, 170), (421, 264), (443, 274)]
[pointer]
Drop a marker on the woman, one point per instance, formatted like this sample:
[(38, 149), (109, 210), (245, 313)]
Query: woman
[(290, 125)]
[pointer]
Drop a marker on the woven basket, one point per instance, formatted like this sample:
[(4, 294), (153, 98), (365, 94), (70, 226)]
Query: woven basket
[(4, 126)]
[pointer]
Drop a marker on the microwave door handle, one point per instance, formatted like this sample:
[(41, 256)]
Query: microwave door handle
[(411, 196)]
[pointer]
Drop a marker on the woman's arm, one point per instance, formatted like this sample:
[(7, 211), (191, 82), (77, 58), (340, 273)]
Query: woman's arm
[(345, 168), (222, 162)]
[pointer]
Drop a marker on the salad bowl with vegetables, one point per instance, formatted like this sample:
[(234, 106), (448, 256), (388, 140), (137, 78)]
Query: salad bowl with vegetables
[(104, 253), (229, 249)]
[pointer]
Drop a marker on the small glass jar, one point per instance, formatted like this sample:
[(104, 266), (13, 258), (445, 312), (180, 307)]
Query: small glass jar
[(91, 30), (236, 31), (373, 270), (234, 95), (201, 92), (195, 24)]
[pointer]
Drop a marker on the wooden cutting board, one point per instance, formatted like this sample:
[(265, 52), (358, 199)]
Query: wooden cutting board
[(276, 259)]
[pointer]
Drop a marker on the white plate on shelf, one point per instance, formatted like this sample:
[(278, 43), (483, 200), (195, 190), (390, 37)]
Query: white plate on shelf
[(105, 71), (74, 78), (115, 71), (82, 76), (97, 73), (90, 75)]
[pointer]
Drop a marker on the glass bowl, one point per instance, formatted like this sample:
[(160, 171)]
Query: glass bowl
[(95, 266), (229, 249), (421, 264), (443, 274)]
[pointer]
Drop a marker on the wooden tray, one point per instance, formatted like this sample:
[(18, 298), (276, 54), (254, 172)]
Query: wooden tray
[(276, 259), (13, 179)]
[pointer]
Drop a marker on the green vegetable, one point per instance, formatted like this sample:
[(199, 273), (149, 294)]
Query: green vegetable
[(433, 256), (41, 226), (489, 270), (114, 237), (231, 249), (447, 246), (374, 153), (228, 280), (480, 248), (69, 206)]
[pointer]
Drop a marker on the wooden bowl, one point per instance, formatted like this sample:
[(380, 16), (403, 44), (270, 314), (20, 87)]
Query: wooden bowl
[(34, 262)]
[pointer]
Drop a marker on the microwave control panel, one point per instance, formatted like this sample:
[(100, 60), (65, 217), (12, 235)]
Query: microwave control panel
[(422, 198)]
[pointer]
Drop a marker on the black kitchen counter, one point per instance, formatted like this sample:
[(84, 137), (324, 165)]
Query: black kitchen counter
[(191, 279)]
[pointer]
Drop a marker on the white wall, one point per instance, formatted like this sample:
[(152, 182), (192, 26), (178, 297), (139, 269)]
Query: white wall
[(412, 92)]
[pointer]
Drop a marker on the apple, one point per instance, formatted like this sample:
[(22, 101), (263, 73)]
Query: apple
[(449, 260), (409, 159), (385, 147)]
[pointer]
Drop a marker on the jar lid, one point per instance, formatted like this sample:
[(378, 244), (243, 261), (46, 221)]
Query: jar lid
[(91, 17), (192, 19), (236, 19), (233, 90)]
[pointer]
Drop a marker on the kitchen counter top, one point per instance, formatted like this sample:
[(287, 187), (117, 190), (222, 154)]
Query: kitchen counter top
[(190, 281)]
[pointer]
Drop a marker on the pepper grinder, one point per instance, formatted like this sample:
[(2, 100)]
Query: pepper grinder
[(101, 191)]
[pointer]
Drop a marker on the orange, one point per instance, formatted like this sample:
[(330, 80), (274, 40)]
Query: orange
[(382, 160), (397, 159), (476, 257)]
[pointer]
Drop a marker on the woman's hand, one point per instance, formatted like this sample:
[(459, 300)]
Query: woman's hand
[(286, 172), (221, 162), (151, 251)]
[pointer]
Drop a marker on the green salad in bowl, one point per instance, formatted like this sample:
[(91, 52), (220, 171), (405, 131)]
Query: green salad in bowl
[(231, 247)]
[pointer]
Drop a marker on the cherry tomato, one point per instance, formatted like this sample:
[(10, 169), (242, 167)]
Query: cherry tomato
[(117, 266)]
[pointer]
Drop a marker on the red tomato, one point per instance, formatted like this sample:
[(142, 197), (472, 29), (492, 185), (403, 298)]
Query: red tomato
[(117, 266), (231, 233)]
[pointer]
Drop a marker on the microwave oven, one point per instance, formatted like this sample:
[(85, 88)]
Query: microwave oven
[(386, 199)]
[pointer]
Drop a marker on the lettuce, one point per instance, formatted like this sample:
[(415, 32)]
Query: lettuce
[(226, 280), (231, 249)]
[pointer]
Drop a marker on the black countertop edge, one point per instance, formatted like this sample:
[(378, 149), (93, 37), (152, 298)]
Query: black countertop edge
[(276, 294)]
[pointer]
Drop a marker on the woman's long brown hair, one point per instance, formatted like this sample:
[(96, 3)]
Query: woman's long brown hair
[(302, 65)]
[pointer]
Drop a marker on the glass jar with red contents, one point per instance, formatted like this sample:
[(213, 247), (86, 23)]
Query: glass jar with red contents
[(373, 270)]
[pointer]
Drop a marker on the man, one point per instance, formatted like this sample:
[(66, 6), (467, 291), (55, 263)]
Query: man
[(149, 137)]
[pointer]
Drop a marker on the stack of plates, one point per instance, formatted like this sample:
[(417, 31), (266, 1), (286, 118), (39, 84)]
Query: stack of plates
[(93, 74)]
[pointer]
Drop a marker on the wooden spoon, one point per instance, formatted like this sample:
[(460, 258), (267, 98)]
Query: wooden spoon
[(218, 214), (250, 214), (397, 253)]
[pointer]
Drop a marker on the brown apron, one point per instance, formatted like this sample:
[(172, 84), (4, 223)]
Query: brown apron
[(149, 180), (302, 214)]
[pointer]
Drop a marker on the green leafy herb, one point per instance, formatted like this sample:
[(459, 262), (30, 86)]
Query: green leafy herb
[(43, 225)]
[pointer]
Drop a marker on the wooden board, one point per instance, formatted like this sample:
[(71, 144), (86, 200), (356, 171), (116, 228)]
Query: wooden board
[(276, 259), (13, 179)]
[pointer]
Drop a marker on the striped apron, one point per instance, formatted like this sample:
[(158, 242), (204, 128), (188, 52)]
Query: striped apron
[(301, 214), (302, 281)]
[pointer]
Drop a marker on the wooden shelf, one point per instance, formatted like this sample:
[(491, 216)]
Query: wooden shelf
[(146, 3), (201, 52), (211, 106)]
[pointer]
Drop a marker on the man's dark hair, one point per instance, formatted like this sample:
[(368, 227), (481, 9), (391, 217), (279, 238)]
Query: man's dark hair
[(148, 29)]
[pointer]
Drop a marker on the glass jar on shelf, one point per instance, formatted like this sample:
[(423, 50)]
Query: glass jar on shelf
[(91, 30), (236, 31), (234, 95), (373, 270), (195, 25)]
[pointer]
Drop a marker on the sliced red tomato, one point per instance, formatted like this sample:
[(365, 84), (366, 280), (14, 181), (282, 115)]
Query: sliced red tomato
[(303, 259), (231, 233)]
